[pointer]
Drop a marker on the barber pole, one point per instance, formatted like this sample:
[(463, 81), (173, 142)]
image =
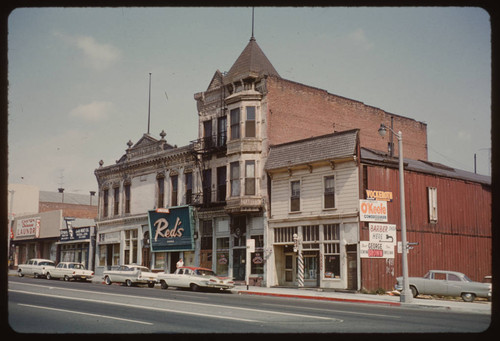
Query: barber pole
[(301, 269)]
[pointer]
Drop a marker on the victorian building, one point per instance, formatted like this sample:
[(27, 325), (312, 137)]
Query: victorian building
[(221, 174)]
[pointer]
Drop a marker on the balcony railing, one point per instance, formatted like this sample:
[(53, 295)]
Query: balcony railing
[(209, 198), (211, 144)]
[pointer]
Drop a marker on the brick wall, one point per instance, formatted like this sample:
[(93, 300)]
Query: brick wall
[(297, 111), (70, 210)]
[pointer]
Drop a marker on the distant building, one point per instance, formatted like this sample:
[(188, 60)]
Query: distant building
[(51, 227)]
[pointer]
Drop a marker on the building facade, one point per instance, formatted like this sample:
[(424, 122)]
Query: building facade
[(314, 195), (245, 114)]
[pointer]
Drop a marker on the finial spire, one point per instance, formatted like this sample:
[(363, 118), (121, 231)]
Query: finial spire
[(252, 37)]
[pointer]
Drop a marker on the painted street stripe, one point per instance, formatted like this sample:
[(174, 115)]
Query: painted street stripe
[(134, 306), (82, 313)]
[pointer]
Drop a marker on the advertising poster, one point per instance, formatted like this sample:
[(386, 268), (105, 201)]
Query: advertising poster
[(171, 229)]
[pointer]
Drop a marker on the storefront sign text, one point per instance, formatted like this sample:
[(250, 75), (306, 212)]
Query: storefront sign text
[(372, 210), (171, 229)]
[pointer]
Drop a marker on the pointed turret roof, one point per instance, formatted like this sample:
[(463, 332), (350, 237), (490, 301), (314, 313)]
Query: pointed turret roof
[(252, 62)]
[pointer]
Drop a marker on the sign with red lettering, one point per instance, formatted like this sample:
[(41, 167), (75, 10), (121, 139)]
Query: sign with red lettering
[(28, 228), (376, 250), (372, 210)]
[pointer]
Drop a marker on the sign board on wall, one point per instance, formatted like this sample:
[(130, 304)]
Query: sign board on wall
[(372, 210), (28, 228), (378, 195), (171, 229), (80, 233), (376, 250), (382, 233)]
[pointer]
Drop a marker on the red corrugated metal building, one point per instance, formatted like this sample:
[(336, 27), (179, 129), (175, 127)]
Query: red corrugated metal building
[(460, 239)]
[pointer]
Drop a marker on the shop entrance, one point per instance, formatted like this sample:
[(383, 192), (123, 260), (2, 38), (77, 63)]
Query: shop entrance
[(239, 256), (352, 267), (311, 269)]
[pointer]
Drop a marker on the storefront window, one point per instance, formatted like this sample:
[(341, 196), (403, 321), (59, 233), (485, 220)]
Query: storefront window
[(222, 256), (130, 246), (257, 257), (102, 255), (160, 260), (332, 251)]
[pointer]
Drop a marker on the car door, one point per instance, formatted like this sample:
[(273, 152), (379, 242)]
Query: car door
[(437, 284), (30, 269), (455, 285), (58, 271), (186, 278), (175, 279)]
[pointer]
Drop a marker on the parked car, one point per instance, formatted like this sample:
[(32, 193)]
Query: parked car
[(194, 278), (130, 275), (70, 270), (35, 267), (446, 283)]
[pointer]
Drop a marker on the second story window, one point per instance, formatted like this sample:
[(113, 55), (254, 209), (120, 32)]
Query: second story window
[(295, 196), (174, 186), (189, 187), (235, 123), (329, 194), (116, 197), (221, 183), (250, 177), (126, 188), (235, 178), (161, 191), (250, 122), (221, 131), (105, 203)]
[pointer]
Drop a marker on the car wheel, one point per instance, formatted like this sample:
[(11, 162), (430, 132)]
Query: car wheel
[(66, 278), (20, 273), (48, 276), (35, 275), (468, 297), (128, 282), (414, 291), (107, 280), (151, 284), (195, 287), (163, 284)]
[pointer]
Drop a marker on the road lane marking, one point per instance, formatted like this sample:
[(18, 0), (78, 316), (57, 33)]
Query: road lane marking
[(196, 303), (135, 306), (333, 310), (82, 313)]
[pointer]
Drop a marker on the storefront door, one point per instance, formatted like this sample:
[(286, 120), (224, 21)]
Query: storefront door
[(311, 269), (239, 264)]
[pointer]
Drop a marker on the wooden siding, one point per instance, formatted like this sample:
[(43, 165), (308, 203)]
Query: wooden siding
[(311, 191), (459, 241)]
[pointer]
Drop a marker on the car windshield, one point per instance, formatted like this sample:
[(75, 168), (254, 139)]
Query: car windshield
[(467, 279), (75, 266), (46, 263), (202, 272)]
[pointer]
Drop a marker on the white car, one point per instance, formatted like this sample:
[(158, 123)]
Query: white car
[(35, 267), (70, 270), (130, 275), (194, 278)]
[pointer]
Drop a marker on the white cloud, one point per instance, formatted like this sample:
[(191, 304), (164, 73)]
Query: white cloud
[(359, 39), (96, 55), (95, 111)]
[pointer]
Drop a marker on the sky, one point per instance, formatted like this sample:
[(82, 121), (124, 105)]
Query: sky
[(79, 77)]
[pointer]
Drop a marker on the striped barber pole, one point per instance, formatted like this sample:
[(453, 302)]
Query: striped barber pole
[(301, 270)]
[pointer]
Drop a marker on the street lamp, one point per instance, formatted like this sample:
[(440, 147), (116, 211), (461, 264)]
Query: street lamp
[(406, 295)]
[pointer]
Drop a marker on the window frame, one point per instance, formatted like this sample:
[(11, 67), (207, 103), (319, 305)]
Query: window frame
[(234, 123), (250, 180), (432, 204), (292, 197), (251, 124), (325, 178)]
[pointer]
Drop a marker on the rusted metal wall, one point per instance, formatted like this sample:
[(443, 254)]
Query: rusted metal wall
[(459, 241)]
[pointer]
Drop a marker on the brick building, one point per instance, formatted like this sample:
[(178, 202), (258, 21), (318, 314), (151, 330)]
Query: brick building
[(242, 114)]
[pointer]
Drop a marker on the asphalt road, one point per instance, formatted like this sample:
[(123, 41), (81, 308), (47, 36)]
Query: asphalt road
[(50, 306)]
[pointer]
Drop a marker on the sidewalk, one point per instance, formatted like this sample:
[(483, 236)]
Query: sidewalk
[(479, 307)]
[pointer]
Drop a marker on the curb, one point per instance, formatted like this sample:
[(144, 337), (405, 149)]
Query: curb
[(321, 298)]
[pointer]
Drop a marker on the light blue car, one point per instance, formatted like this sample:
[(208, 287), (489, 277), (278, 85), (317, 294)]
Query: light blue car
[(446, 283)]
